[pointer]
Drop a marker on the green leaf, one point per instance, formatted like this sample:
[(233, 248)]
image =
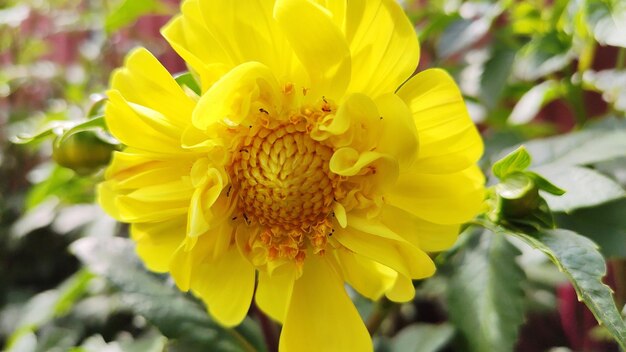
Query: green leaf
[(515, 186), (187, 79), (172, 312), (607, 21), (604, 224), (580, 148), (485, 298), (130, 10), (422, 338), (495, 75), (95, 124), (612, 85), (463, 33), (517, 160), (578, 257), (544, 185), (532, 101), (543, 55), (585, 187), (54, 128)]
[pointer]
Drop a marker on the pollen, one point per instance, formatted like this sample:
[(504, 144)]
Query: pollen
[(285, 187)]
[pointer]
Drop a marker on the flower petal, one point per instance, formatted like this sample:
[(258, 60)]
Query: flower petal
[(443, 199), (321, 316), (384, 46), (428, 236), (157, 242), (401, 257), (273, 292), (226, 286), (366, 276), (231, 100), (449, 141), (398, 135), (142, 73), (318, 43), (402, 289)]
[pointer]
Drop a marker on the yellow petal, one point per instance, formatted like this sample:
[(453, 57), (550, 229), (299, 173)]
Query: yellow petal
[(356, 124), (384, 46), (156, 242), (321, 316), (201, 216), (428, 236), (366, 276), (402, 289), (273, 292), (449, 140), (443, 199), (231, 100), (128, 209), (318, 44), (402, 257), (191, 41), (226, 286), (144, 81), (133, 129), (397, 134), (376, 170)]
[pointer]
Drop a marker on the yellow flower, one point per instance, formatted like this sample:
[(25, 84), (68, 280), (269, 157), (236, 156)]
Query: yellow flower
[(309, 160)]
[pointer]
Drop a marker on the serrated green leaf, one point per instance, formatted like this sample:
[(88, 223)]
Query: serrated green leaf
[(517, 160), (485, 298), (585, 187), (422, 338), (578, 257), (175, 314), (604, 224)]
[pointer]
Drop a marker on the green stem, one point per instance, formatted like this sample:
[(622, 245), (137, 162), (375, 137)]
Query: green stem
[(383, 308), (621, 59), (247, 346)]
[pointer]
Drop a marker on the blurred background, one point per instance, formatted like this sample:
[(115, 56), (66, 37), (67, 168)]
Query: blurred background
[(69, 280)]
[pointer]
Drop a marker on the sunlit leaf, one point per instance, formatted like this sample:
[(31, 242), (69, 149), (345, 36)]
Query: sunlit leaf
[(175, 314), (578, 257), (485, 296), (585, 187), (130, 10), (517, 160), (422, 338), (531, 103), (612, 85), (604, 224), (607, 21)]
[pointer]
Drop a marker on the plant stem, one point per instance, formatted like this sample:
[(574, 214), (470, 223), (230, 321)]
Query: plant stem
[(247, 347), (269, 329), (621, 59), (383, 308)]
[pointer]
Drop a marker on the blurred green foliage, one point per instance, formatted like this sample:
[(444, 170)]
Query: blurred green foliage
[(549, 75)]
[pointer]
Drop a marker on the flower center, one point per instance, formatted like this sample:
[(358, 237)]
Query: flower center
[(283, 179), (284, 186)]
